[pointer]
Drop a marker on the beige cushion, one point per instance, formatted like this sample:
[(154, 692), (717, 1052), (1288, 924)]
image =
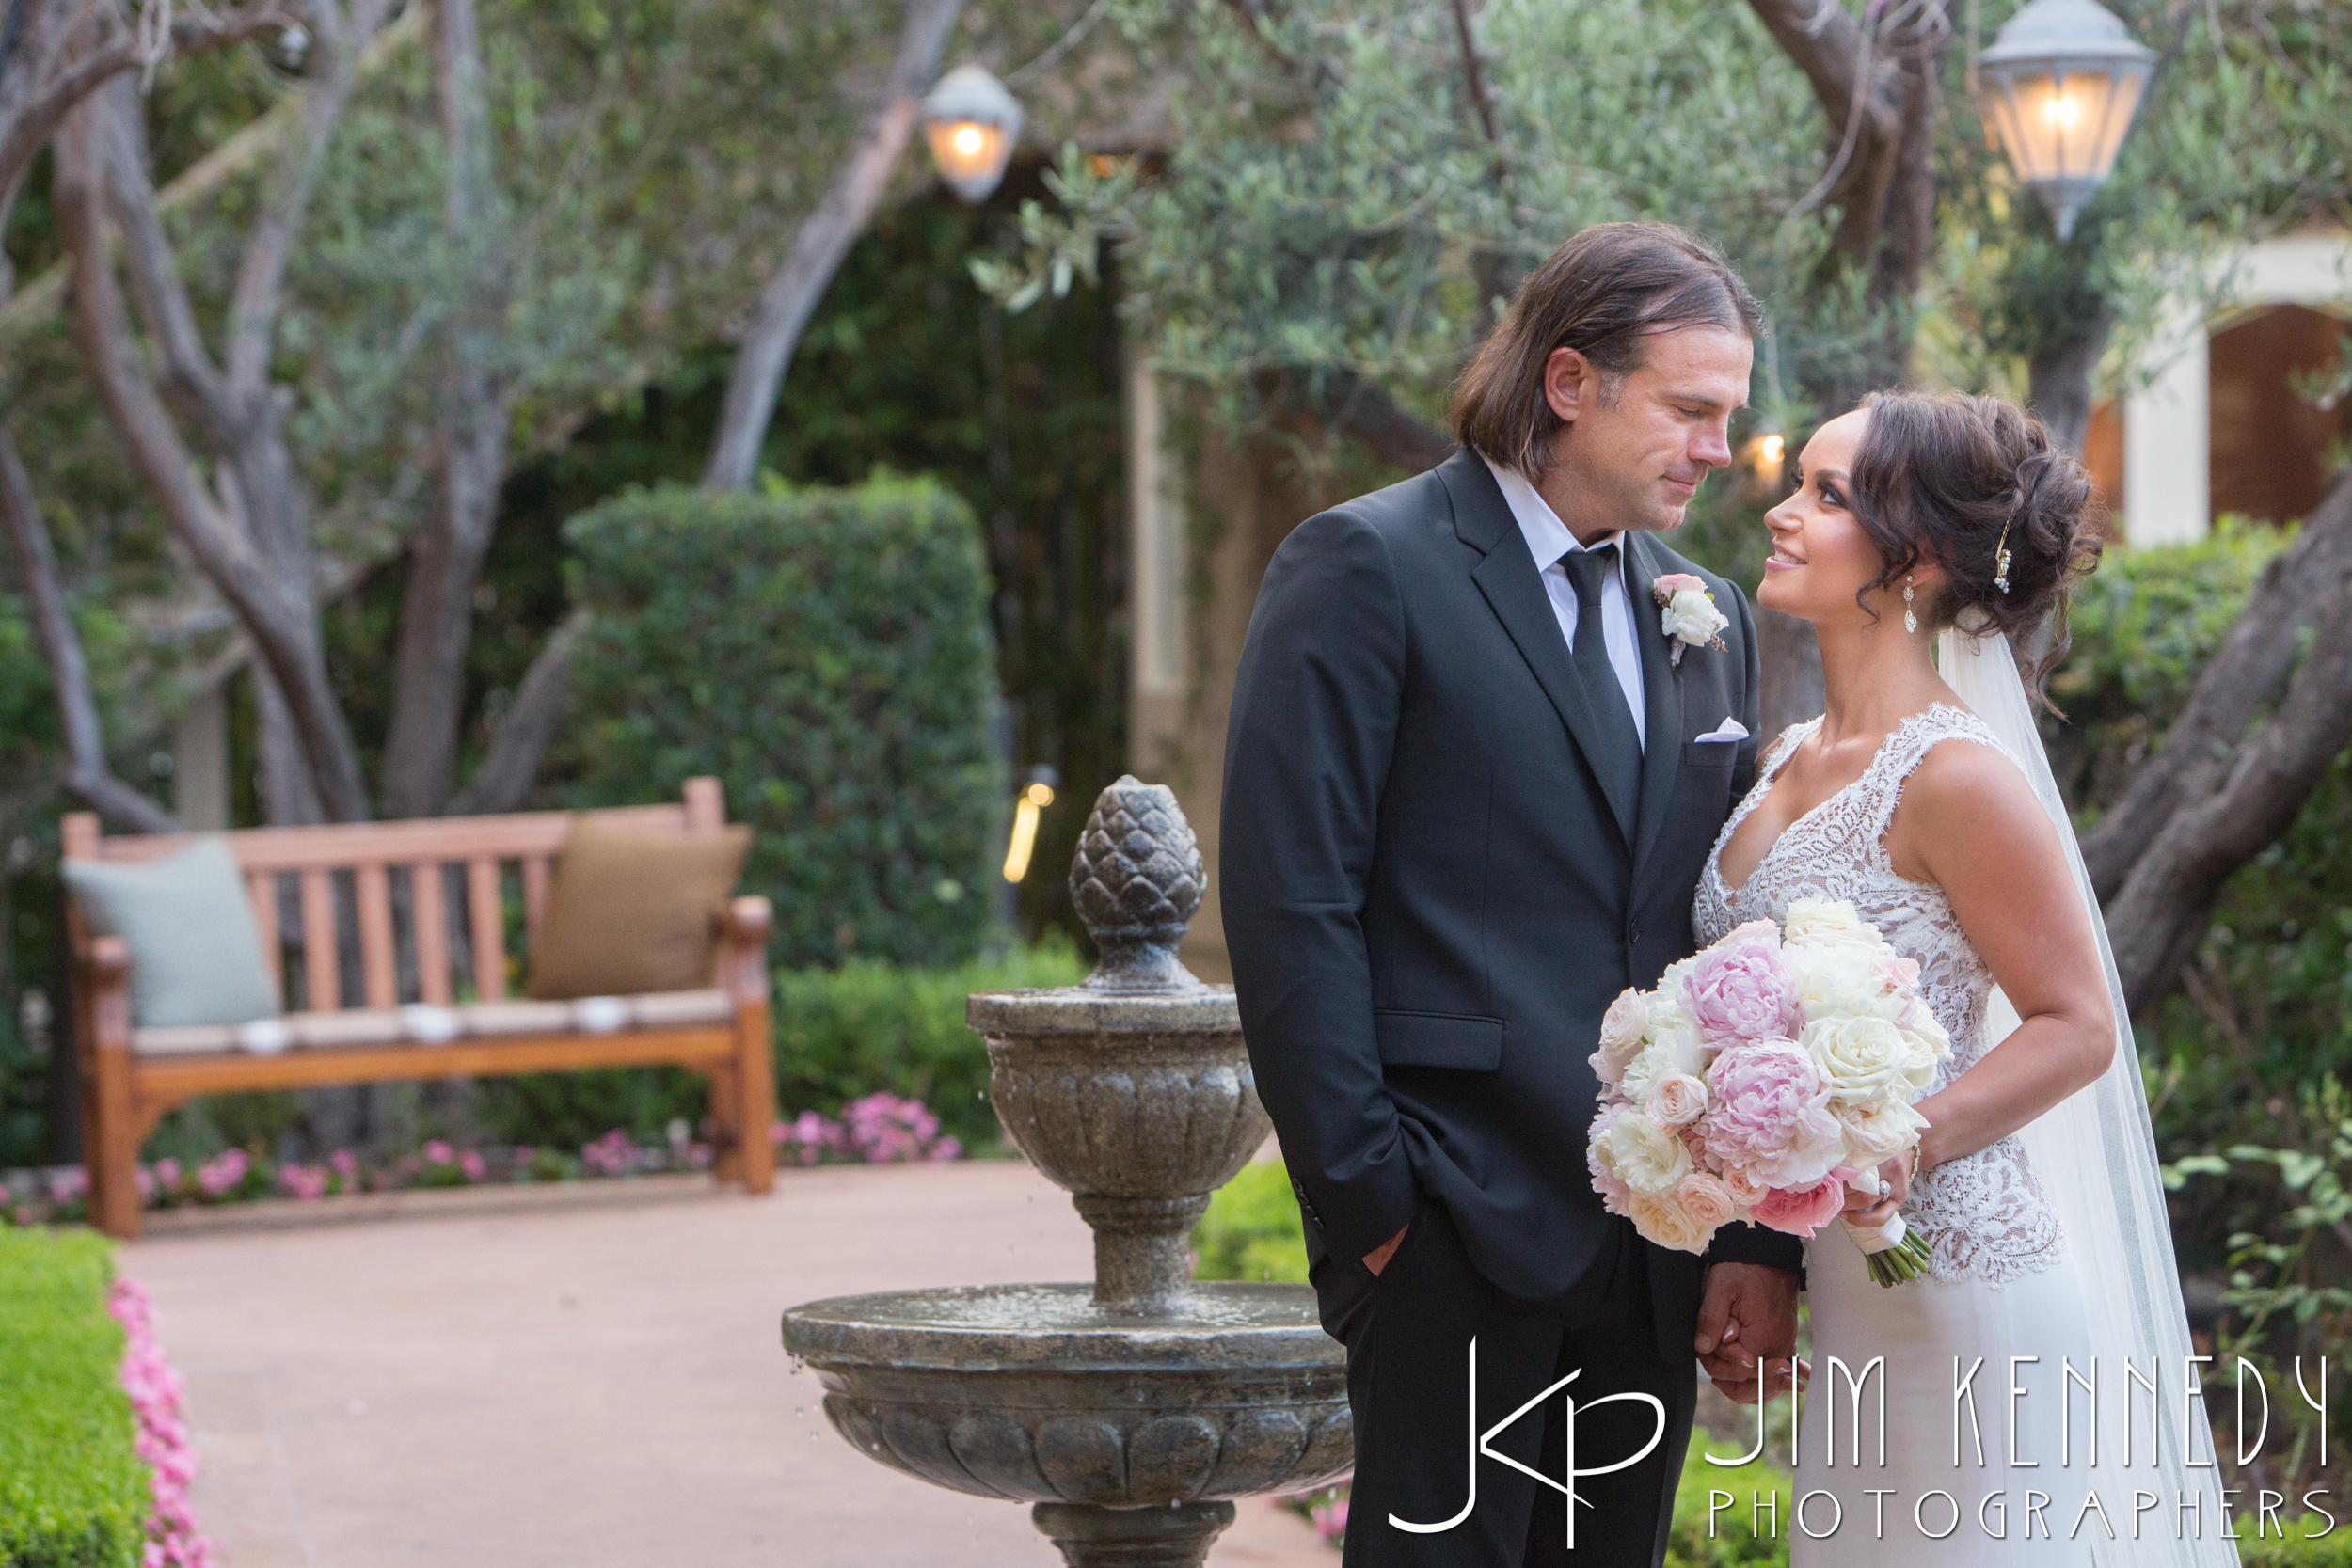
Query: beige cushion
[(493, 1019), (422, 1025), (632, 912)]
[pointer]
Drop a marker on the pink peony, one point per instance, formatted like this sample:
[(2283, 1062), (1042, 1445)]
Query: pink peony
[(1740, 989), (1707, 1200), (1801, 1210), (1772, 1114)]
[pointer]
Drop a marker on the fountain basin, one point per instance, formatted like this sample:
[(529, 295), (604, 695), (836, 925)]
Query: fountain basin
[(1030, 1393)]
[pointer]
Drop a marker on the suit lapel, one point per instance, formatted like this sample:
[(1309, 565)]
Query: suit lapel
[(1661, 697), (1514, 590)]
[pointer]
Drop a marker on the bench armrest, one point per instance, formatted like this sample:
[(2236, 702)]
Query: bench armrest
[(742, 965), (106, 971)]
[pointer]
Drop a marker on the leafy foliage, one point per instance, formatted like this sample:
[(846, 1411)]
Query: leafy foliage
[(1252, 1230), (827, 654), (72, 1491)]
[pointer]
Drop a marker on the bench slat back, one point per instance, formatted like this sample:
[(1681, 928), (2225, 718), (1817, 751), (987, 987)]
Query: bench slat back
[(391, 868)]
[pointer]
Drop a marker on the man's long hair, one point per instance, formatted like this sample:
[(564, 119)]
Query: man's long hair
[(1601, 294)]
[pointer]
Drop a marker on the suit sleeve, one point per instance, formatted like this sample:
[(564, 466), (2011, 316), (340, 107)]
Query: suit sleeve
[(1307, 751), (1745, 1241)]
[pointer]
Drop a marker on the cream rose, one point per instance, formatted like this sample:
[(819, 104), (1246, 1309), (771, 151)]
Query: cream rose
[(1706, 1199), (1841, 978), (1746, 1188), (1691, 616), (1661, 1218), (1622, 1030), (1928, 1044), (1675, 1048), (1677, 1101), (1877, 1131), (1830, 922), (1861, 1058), (1642, 1154)]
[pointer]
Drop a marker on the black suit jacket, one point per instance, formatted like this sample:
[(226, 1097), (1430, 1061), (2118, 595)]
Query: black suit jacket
[(1429, 900)]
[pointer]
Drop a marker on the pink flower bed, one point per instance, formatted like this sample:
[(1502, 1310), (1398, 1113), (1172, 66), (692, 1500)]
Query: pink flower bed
[(879, 1129), (174, 1539)]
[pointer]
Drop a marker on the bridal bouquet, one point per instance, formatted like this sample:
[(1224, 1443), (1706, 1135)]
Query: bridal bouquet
[(1759, 1078)]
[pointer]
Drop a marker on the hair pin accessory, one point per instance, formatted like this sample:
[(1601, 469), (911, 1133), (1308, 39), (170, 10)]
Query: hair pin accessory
[(2000, 558)]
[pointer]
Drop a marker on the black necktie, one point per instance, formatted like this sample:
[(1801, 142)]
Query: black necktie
[(1619, 766)]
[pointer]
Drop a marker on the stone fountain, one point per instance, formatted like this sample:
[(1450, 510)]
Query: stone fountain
[(1130, 1410)]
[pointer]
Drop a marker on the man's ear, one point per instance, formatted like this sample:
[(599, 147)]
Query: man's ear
[(1571, 383)]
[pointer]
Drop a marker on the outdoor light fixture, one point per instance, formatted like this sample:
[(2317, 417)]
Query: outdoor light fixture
[(1034, 798), (1765, 457), (972, 123), (2060, 85)]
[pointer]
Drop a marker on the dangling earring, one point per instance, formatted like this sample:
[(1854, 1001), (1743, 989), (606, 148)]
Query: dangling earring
[(1911, 617)]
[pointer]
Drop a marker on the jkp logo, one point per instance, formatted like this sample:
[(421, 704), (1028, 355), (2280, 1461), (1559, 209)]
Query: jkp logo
[(1566, 1485)]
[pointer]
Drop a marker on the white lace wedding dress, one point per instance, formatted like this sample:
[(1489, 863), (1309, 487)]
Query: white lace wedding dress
[(1995, 1288)]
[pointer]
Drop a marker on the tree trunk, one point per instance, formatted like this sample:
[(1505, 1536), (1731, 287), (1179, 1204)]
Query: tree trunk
[(1793, 688), (87, 774), (251, 535), (2203, 744), (2159, 917), (2059, 384), (475, 422), (824, 237), (504, 781)]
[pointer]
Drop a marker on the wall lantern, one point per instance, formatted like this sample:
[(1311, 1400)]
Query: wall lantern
[(972, 123), (2060, 85), (1034, 798)]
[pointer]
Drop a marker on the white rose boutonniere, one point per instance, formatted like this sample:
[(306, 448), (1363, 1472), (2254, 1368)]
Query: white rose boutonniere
[(1688, 614)]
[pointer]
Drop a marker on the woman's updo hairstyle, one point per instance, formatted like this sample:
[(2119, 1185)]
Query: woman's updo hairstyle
[(1940, 477)]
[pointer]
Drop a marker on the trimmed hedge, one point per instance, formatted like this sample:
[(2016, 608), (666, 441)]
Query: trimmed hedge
[(73, 1493), (828, 655), (1252, 1230)]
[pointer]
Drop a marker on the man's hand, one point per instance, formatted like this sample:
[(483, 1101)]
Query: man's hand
[(1377, 1258), (1747, 1315)]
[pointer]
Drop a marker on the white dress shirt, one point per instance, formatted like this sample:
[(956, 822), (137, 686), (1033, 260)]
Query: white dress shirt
[(1549, 540)]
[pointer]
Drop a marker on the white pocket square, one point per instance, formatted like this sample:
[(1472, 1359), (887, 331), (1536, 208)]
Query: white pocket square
[(1730, 729)]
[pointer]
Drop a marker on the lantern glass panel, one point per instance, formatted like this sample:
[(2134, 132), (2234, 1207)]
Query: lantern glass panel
[(970, 152)]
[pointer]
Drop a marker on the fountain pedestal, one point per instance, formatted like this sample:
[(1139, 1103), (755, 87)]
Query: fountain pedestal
[(1130, 1410)]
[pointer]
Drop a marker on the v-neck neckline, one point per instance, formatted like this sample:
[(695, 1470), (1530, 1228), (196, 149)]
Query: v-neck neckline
[(1733, 894)]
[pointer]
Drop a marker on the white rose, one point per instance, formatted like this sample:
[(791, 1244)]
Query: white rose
[(1691, 616), (1677, 1100), (1861, 1058), (1877, 1131), (1676, 1048), (1830, 922), (1644, 1156), (1622, 1030), (1840, 980), (1661, 1218)]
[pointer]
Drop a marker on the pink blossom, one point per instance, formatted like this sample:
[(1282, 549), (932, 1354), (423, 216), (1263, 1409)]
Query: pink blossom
[(473, 1164), (163, 1440), (1771, 1114), (1677, 582), (1739, 989), (438, 1152), (1707, 1200), (345, 1164), (1900, 974), (1802, 1210)]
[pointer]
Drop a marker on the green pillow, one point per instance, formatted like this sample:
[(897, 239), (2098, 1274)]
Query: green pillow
[(195, 954)]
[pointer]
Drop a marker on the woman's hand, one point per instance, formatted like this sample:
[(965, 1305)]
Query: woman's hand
[(1864, 1211)]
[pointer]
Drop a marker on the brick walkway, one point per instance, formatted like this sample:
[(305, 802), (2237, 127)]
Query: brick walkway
[(588, 1376)]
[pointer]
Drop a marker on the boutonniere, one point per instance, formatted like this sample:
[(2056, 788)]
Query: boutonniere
[(1689, 614)]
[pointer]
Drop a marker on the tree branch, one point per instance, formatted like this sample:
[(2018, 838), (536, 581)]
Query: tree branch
[(504, 781), (87, 773), (1367, 415), (2202, 745), (2162, 911), (824, 237)]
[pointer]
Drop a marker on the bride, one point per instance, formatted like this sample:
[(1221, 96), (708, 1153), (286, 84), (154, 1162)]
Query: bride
[(1922, 796)]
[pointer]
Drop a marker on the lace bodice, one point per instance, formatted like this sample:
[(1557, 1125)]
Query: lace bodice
[(1985, 1215)]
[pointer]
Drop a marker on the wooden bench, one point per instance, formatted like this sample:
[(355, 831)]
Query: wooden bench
[(405, 1019)]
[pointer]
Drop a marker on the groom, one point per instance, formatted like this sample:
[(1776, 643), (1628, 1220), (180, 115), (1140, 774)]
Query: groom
[(1469, 791)]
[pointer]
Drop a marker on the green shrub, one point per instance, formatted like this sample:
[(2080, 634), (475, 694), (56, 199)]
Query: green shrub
[(1252, 1230), (841, 1033), (827, 654), (1736, 1541), (72, 1491), (2333, 1550)]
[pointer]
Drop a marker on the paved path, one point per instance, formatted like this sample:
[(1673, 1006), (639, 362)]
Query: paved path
[(589, 1377)]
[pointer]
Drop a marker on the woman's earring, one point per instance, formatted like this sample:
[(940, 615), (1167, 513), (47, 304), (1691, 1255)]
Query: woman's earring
[(1911, 617)]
